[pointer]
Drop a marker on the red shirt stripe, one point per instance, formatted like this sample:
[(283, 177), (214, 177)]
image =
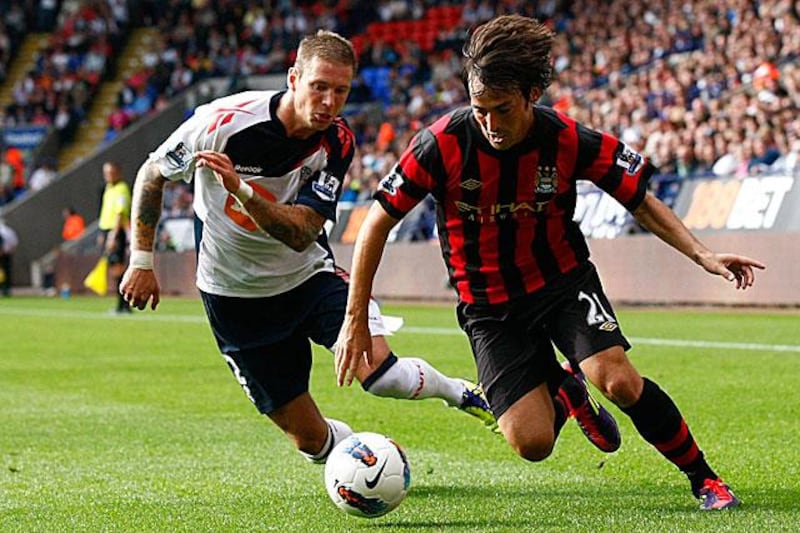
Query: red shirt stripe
[(507, 215)]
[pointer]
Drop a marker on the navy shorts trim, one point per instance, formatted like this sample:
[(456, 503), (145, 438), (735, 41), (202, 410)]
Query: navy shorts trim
[(267, 341), (270, 377)]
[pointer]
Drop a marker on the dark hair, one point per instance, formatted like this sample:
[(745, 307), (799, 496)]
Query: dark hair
[(326, 45), (509, 52)]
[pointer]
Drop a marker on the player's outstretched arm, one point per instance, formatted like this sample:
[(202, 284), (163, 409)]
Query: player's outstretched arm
[(354, 342), (297, 226), (660, 220), (139, 283)]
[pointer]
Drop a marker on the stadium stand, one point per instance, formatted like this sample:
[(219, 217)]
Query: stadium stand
[(705, 88)]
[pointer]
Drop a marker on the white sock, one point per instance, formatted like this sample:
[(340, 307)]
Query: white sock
[(337, 432), (411, 378)]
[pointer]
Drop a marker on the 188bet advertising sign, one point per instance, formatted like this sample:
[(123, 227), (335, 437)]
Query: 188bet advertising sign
[(757, 203), (753, 203)]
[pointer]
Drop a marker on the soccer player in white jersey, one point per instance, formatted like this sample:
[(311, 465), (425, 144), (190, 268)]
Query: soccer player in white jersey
[(268, 168)]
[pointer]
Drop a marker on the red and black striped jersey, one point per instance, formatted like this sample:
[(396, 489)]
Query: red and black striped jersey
[(505, 218)]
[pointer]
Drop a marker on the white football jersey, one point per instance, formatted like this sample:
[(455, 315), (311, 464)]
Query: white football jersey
[(237, 258)]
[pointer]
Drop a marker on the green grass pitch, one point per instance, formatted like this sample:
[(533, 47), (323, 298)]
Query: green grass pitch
[(135, 424)]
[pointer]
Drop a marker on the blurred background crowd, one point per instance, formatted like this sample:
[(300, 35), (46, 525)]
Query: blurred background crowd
[(707, 87)]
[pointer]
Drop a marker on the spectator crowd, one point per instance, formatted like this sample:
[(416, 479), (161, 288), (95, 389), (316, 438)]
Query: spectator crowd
[(704, 87)]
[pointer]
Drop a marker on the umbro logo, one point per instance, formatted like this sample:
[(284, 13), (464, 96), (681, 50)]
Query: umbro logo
[(470, 184), (608, 326)]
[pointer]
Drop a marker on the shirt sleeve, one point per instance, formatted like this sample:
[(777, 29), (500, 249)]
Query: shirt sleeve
[(322, 189), (410, 180), (175, 156), (613, 166)]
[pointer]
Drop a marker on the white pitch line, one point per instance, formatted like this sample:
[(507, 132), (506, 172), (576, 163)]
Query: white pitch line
[(752, 346), (199, 319), (644, 340), (94, 315)]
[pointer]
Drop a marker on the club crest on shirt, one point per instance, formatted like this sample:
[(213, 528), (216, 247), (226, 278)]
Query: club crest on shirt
[(325, 186), (179, 157), (629, 159), (546, 180), (391, 182)]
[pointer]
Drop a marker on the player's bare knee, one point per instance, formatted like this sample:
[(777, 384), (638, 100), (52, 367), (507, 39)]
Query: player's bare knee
[(534, 450), (613, 374), (530, 445), (622, 389)]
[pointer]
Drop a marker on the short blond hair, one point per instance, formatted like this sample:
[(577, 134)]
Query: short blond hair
[(326, 45)]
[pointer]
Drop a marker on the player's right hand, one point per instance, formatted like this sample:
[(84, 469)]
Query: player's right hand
[(222, 166), (732, 267), (139, 286)]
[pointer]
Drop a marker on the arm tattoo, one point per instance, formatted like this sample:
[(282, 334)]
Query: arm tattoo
[(148, 192), (297, 226)]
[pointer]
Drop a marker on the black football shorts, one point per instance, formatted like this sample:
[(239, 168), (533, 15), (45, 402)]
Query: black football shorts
[(513, 343)]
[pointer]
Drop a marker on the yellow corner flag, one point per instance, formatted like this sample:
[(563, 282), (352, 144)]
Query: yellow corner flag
[(97, 279)]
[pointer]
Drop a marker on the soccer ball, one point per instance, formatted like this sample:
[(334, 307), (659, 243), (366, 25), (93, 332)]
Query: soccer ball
[(367, 475)]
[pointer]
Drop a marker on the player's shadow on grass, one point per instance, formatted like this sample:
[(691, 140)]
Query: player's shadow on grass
[(448, 494), (662, 501)]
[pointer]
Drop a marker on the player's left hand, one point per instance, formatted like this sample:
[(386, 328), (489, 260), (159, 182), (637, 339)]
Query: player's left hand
[(733, 267), (353, 346)]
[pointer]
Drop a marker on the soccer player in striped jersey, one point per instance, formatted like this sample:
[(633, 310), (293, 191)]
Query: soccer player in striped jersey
[(503, 173), (267, 167)]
